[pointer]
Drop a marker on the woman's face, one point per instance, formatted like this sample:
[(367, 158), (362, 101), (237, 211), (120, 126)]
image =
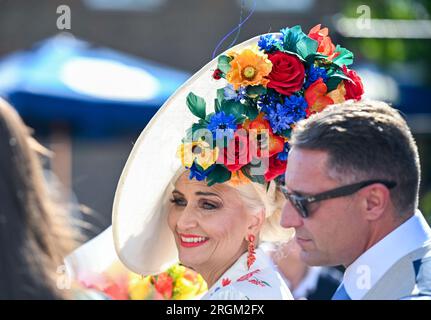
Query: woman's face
[(210, 224)]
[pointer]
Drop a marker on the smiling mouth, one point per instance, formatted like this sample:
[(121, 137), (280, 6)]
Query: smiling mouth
[(191, 240)]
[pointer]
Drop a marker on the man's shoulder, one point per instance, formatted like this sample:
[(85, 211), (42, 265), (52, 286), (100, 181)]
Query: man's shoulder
[(408, 278)]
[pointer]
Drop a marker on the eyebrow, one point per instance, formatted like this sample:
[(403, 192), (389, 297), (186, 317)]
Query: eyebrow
[(198, 193)]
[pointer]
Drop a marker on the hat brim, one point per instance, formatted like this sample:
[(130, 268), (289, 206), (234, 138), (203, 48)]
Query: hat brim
[(142, 238)]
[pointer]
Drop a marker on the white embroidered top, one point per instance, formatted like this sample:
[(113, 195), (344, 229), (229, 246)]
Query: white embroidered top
[(262, 282)]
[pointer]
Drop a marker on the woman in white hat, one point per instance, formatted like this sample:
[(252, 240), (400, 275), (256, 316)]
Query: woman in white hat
[(213, 205)]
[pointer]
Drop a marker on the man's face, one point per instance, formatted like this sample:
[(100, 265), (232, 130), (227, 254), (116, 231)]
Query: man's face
[(335, 232)]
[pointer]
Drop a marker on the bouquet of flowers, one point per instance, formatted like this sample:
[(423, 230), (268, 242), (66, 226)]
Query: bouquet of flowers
[(117, 283), (270, 86)]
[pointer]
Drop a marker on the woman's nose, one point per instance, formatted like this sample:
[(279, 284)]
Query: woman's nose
[(290, 218), (187, 219)]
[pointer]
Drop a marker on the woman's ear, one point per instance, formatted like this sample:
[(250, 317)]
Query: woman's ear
[(256, 221)]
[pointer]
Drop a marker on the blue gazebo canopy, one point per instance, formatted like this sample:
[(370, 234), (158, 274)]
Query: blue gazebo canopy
[(90, 88)]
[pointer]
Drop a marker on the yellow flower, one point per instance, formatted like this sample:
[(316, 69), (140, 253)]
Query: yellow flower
[(140, 288), (249, 67), (187, 288), (199, 151)]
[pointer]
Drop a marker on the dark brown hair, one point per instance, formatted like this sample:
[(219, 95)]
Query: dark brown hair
[(365, 140), (34, 234)]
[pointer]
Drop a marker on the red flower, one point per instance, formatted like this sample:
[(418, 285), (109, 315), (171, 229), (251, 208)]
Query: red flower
[(217, 74), (225, 282), (354, 88), (287, 74), (164, 284), (238, 153), (326, 46), (316, 97), (276, 167)]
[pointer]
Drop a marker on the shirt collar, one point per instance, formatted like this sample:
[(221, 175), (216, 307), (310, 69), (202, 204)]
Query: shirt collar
[(366, 270), (239, 269)]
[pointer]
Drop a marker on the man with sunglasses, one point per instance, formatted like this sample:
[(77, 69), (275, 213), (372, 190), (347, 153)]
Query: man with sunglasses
[(351, 185)]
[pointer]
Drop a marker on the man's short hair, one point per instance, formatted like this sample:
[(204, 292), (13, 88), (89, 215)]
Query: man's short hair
[(365, 140)]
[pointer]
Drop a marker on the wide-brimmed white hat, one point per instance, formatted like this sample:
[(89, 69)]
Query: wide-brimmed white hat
[(142, 239)]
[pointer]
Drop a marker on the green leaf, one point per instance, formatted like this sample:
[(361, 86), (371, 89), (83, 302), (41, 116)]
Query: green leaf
[(246, 170), (332, 83), (219, 175), (234, 108), (224, 64), (217, 105), (254, 91), (251, 111), (297, 42), (220, 94), (306, 46), (196, 105), (344, 58), (314, 56)]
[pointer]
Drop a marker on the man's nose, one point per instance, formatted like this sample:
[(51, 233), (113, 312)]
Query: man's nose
[(290, 218)]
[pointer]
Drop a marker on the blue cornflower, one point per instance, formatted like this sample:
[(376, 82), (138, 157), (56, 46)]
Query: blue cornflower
[(278, 118), (313, 74), (268, 101), (222, 124), (296, 106), (199, 174), (282, 116), (267, 42)]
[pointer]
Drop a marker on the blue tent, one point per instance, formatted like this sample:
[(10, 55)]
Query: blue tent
[(94, 90)]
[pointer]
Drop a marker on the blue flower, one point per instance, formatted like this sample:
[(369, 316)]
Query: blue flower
[(313, 74), (267, 42), (231, 94), (282, 116), (199, 173), (242, 94), (268, 101), (296, 106), (221, 125), (283, 155), (278, 118)]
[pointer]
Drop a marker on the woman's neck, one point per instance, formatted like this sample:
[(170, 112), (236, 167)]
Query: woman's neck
[(213, 272)]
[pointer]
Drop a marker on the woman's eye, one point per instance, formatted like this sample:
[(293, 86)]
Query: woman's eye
[(179, 202), (208, 206)]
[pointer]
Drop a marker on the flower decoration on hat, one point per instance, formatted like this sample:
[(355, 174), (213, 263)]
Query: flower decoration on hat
[(270, 86)]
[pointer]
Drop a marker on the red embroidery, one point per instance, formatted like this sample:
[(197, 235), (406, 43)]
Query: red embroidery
[(248, 275), (225, 282)]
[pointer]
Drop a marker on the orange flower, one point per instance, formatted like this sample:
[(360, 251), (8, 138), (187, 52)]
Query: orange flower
[(249, 67), (316, 97), (326, 46), (275, 143), (238, 178), (337, 95)]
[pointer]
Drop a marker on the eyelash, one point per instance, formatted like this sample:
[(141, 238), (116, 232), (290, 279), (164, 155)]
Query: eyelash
[(177, 202)]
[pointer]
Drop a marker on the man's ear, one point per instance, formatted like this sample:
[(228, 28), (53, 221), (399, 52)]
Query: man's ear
[(377, 198), (256, 221)]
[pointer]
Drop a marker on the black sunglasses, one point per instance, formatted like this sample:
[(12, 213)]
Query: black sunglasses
[(300, 202)]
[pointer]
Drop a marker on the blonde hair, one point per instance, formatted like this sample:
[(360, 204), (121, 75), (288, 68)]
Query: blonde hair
[(259, 197)]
